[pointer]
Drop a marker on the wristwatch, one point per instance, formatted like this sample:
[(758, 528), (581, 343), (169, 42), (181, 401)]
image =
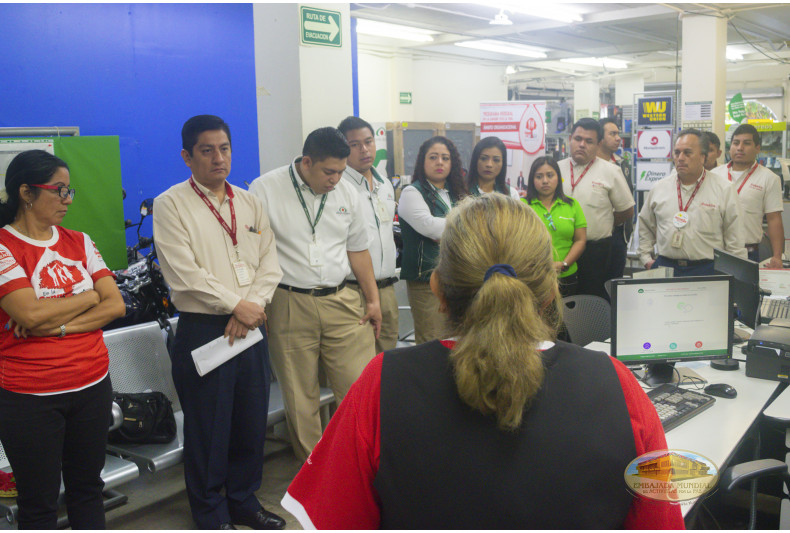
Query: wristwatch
[(565, 266)]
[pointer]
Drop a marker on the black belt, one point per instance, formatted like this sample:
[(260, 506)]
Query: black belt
[(313, 292), (600, 241), (380, 283), (753, 247), (685, 262)]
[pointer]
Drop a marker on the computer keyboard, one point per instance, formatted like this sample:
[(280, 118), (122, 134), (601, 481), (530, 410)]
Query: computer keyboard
[(676, 405), (774, 308)]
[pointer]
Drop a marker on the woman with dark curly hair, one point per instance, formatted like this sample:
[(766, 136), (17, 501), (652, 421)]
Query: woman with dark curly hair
[(437, 185), (488, 167)]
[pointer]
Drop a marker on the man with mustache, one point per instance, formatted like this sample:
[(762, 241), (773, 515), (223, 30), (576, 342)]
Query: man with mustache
[(689, 213)]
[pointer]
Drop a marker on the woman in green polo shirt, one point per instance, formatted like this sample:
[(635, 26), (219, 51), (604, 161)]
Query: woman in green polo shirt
[(563, 218)]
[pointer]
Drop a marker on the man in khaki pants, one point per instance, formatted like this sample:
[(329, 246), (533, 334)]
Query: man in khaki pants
[(377, 201), (314, 318)]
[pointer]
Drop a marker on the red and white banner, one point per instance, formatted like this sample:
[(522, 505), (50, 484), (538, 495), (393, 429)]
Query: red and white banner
[(521, 126)]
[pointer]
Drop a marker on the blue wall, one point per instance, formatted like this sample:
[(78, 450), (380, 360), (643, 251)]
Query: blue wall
[(137, 71)]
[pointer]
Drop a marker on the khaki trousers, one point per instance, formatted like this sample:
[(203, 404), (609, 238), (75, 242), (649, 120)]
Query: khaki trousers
[(305, 332), (429, 323), (388, 337)]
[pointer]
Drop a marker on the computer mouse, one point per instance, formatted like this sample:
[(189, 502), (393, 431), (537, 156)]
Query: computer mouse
[(722, 390)]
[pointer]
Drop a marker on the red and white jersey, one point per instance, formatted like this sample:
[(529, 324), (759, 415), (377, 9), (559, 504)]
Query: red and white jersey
[(66, 264)]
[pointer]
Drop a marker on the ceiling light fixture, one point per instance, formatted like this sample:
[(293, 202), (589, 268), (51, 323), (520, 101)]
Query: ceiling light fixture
[(605, 62), (559, 12), (501, 19), (394, 31), (502, 47), (733, 54)]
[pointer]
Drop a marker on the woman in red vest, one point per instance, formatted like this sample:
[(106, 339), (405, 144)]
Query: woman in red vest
[(499, 426)]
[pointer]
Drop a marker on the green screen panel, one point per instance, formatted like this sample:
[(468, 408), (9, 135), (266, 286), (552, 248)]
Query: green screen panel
[(95, 168)]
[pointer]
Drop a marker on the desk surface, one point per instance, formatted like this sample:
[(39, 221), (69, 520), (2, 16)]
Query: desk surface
[(780, 407), (716, 432)]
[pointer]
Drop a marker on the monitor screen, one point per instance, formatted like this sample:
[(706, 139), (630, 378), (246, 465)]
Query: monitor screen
[(666, 320), (747, 284)]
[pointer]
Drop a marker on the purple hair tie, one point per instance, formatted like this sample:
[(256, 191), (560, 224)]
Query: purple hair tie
[(502, 268)]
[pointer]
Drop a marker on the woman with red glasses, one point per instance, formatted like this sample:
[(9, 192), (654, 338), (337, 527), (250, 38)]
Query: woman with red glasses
[(55, 392)]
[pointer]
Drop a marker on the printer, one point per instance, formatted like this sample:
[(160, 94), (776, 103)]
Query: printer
[(768, 352)]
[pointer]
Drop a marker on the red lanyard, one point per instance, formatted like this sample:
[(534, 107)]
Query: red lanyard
[(232, 229), (613, 160), (749, 175), (575, 183), (680, 200)]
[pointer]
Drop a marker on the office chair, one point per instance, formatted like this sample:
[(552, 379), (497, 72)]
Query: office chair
[(587, 318), (751, 471)]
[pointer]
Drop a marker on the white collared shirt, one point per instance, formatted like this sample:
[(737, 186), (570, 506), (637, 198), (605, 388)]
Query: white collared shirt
[(341, 228), (712, 220), (601, 192), (378, 210), (197, 255), (761, 194), (413, 209)]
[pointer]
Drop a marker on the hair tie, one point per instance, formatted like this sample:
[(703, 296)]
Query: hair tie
[(501, 268)]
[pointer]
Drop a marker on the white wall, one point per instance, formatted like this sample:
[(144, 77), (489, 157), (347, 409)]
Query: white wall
[(442, 90)]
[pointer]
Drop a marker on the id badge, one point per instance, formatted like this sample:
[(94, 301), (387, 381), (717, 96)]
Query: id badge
[(315, 255), (677, 239), (383, 212), (242, 273)]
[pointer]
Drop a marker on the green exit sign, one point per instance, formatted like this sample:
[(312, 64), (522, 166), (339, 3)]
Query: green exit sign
[(320, 26), (405, 98)]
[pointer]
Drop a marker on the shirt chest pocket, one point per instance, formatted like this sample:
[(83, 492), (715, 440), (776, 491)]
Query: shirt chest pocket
[(709, 220), (250, 243), (599, 197)]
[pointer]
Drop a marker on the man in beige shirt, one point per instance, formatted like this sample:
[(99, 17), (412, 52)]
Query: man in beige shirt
[(689, 213), (601, 190), (218, 255), (759, 193)]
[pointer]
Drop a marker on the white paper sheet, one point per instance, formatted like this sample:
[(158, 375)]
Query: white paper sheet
[(211, 355)]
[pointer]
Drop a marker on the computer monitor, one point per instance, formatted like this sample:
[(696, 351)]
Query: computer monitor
[(658, 322), (747, 284)]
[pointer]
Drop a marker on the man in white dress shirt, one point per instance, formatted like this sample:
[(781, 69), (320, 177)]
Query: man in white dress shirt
[(315, 317), (601, 190), (377, 199), (759, 192), (689, 213)]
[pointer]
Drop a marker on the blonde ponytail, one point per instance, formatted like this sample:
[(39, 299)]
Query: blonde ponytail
[(500, 322)]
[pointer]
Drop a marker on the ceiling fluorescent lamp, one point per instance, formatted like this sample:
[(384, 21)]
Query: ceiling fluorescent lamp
[(606, 62), (502, 47), (558, 12), (501, 19), (394, 31), (733, 54)]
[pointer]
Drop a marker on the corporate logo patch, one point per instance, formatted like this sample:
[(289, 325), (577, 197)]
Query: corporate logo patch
[(671, 475), (7, 261), (342, 211)]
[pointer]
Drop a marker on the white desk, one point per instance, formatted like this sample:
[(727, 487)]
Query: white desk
[(716, 432), (780, 407)]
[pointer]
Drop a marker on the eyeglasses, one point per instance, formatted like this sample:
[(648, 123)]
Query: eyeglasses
[(551, 221), (63, 191)]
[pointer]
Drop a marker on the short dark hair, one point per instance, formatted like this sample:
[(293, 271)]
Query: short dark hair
[(325, 142), (607, 120), (532, 191), (197, 125), (713, 139), (704, 142), (456, 186), (31, 167), (354, 123), (499, 182), (589, 124), (748, 128)]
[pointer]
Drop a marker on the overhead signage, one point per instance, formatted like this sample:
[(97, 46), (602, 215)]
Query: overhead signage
[(320, 26), (763, 126), (655, 111), (405, 98), (654, 144), (736, 108), (648, 173)]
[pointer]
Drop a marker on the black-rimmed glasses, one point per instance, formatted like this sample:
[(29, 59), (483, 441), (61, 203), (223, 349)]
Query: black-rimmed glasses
[(63, 191)]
